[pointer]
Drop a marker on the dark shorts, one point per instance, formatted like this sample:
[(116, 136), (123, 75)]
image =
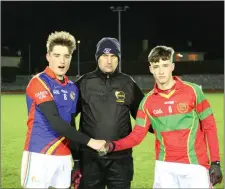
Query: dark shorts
[(113, 173)]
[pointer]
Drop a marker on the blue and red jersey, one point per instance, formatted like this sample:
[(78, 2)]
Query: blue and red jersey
[(43, 87)]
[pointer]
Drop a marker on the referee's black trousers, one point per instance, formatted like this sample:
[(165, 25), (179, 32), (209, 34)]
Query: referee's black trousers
[(98, 173)]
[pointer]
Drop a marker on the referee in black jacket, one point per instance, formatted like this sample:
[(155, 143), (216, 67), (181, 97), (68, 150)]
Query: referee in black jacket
[(107, 99)]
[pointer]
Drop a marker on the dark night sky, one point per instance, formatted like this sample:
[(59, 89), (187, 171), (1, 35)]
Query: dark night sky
[(167, 23)]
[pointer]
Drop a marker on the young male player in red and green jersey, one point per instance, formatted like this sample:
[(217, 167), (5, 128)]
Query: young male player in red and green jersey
[(183, 124)]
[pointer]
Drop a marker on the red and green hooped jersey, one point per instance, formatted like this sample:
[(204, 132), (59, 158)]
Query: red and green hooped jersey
[(183, 124)]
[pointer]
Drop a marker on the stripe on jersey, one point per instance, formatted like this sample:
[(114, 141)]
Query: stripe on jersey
[(54, 146), (191, 140), (30, 124), (27, 172), (50, 144), (174, 121), (167, 95)]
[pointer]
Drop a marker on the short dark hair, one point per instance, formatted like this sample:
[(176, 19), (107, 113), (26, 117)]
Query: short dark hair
[(160, 52)]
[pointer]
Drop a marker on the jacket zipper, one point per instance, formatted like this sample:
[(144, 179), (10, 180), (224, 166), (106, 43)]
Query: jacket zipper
[(107, 82)]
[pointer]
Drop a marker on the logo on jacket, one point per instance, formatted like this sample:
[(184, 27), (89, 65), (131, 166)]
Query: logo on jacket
[(72, 95), (120, 96), (182, 107)]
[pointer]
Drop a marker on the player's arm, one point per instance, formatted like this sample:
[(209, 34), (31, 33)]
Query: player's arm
[(50, 112), (138, 96), (140, 130), (42, 97), (208, 124)]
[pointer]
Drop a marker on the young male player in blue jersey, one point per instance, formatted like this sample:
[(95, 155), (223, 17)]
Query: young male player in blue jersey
[(51, 100)]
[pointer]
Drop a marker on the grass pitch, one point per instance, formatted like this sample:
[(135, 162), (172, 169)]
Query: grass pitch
[(14, 117)]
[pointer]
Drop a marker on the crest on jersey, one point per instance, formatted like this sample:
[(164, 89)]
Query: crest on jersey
[(72, 95), (120, 96), (182, 107)]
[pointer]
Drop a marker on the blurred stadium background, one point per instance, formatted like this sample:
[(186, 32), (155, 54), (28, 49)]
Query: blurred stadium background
[(191, 66), (194, 29), (17, 71)]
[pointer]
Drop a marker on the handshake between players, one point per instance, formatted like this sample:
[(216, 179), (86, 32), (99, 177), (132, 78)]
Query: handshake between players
[(107, 148)]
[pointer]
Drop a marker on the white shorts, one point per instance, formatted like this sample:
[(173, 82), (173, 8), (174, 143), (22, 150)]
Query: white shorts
[(42, 170), (179, 175)]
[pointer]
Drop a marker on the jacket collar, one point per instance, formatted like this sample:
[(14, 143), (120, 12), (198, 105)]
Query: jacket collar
[(105, 76)]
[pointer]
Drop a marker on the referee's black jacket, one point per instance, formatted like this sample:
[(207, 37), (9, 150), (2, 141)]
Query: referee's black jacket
[(106, 102)]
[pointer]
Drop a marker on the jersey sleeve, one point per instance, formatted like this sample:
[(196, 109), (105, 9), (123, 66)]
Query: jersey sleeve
[(208, 123), (202, 105), (38, 91), (74, 107), (140, 130)]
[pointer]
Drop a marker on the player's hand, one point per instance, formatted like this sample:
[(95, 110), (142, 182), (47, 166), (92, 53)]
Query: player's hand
[(75, 176), (96, 144), (108, 147), (215, 173), (75, 179)]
